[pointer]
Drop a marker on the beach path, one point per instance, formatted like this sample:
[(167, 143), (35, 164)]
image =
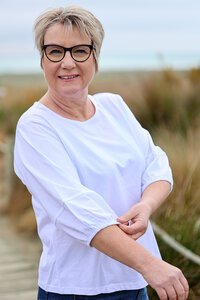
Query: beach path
[(19, 257)]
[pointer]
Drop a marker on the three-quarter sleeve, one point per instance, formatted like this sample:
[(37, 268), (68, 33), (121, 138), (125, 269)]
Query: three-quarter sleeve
[(42, 163), (157, 164), (156, 161)]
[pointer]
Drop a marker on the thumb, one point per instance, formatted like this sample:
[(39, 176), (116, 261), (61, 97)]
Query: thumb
[(127, 216)]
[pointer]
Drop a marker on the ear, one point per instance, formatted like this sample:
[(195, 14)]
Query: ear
[(41, 62)]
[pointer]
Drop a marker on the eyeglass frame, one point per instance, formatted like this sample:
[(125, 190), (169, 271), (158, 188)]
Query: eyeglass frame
[(66, 49)]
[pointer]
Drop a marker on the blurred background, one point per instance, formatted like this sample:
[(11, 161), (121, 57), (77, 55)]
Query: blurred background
[(139, 34), (151, 57)]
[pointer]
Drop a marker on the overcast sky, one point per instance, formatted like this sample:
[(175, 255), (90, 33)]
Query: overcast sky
[(131, 26)]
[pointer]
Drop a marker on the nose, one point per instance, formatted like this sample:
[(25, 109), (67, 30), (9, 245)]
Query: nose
[(67, 61)]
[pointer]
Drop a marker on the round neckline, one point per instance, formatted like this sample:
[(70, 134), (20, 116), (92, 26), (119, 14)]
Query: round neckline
[(67, 119)]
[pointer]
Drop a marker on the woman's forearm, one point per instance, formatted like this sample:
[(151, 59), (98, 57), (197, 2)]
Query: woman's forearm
[(113, 242), (155, 194), (167, 280)]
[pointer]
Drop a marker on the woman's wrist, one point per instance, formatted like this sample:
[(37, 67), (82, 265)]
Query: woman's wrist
[(148, 207), (155, 194)]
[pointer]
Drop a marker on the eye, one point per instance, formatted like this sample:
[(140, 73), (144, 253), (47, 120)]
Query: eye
[(54, 51), (81, 50)]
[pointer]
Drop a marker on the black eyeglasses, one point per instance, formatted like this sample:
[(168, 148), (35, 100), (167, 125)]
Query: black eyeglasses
[(79, 53)]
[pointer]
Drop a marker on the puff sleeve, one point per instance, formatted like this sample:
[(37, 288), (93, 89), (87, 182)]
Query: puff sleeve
[(44, 166)]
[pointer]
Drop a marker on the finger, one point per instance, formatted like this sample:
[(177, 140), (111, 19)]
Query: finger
[(137, 235), (127, 229), (126, 216), (135, 230), (162, 294), (172, 294), (185, 285), (181, 287), (123, 220), (127, 223)]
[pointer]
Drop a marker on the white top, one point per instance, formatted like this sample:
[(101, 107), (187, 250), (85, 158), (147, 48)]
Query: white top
[(82, 175)]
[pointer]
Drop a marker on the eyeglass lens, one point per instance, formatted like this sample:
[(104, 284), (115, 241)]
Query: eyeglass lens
[(79, 53)]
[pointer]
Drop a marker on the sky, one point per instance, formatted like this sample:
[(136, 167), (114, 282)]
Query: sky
[(139, 33)]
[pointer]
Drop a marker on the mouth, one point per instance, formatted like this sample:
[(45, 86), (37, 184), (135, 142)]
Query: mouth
[(68, 77)]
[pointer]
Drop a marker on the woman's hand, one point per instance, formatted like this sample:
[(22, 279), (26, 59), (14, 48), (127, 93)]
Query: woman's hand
[(135, 221), (167, 280)]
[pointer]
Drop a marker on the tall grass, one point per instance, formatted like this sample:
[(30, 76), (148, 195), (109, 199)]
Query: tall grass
[(167, 103), (20, 91), (180, 215)]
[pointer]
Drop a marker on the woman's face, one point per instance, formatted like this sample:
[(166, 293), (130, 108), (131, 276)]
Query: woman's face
[(67, 77)]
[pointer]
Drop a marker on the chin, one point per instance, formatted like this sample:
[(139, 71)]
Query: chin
[(70, 92)]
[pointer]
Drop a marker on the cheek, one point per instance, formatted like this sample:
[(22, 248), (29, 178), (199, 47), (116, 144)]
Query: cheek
[(48, 69), (48, 75), (91, 68)]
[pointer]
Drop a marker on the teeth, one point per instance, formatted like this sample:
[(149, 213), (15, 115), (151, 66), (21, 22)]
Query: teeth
[(68, 77)]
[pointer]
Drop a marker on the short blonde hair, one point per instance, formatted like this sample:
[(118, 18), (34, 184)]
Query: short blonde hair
[(70, 16)]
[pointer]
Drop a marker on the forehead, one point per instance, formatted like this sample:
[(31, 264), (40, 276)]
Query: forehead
[(59, 33)]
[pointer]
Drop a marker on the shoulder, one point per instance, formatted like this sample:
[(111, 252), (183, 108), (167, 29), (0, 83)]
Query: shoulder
[(113, 103), (109, 100), (104, 97), (34, 122), (33, 114)]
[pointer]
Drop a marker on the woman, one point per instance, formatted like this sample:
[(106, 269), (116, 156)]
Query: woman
[(94, 174)]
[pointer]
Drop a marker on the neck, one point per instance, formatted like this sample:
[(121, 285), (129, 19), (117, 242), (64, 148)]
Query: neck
[(76, 108)]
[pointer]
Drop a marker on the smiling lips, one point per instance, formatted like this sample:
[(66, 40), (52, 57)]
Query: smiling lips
[(68, 77)]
